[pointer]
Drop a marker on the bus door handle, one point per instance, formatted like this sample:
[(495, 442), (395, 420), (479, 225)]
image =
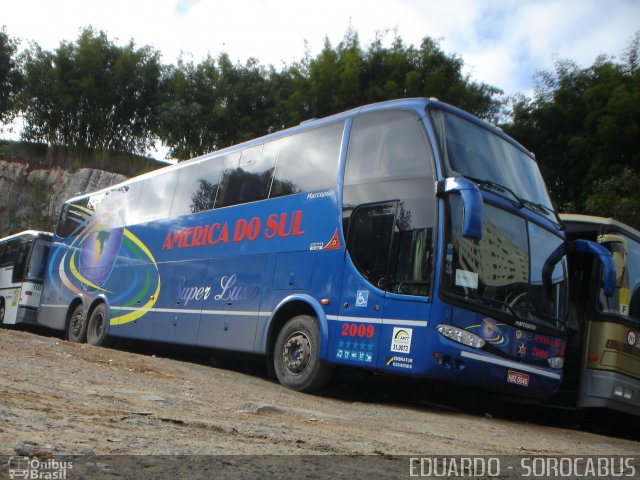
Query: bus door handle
[(376, 308)]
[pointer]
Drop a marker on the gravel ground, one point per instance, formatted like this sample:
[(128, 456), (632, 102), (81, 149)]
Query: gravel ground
[(123, 414)]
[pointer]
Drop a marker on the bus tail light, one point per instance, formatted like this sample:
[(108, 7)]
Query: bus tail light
[(28, 293), (461, 335)]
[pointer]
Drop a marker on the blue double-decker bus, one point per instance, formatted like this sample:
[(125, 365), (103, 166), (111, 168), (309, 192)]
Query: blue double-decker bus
[(407, 237)]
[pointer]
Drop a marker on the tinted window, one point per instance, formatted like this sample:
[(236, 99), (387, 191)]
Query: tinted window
[(504, 270), (150, 198), (248, 178), (471, 150), (197, 186), (412, 274), (308, 161), (20, 260), (11, 252), (390, 159), (387, 145), (72, 217), (370, 237), (38, 261)]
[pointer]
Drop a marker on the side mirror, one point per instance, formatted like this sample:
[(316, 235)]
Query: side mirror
[(582, 246), (618, 247), (472, 204)]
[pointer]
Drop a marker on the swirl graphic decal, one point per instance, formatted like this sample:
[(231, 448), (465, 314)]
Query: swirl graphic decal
[(88, 265)]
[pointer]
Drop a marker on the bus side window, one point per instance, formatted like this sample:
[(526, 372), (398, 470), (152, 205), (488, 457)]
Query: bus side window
[(308, 161), (73, 216), (390, 159), (154, 198), (370, 236), (387, 146), (197, 186), (413, 268), (248, 178), (20, 265)]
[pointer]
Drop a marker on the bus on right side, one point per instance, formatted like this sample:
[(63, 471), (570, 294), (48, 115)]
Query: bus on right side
[(602, 363)]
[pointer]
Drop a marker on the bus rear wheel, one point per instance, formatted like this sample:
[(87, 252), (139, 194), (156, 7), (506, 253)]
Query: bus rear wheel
[(77, 326), (97, 327), (1, 311), (295, 357)]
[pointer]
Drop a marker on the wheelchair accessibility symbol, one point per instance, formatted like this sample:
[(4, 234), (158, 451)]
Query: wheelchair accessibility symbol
[(362, 298)]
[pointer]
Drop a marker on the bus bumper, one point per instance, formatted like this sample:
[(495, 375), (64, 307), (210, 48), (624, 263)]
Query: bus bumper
[(601, 388), (496, 374), (27, 315)]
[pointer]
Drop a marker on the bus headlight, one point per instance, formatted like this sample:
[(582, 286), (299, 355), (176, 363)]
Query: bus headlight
[(556, 362), (461, 335)]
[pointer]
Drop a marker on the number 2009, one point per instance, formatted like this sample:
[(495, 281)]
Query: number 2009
[(357, 330)]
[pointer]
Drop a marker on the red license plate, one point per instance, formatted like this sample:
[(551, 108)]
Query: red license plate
[(518, 378)]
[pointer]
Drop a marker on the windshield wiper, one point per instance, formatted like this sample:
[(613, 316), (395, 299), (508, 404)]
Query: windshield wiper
[(496, 187), (540, 208), (520, 202), (492, 302)]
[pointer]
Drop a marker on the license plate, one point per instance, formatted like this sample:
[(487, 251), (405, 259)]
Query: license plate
[(518, 378)]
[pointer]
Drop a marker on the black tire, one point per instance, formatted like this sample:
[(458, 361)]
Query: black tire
[(77, 326), (295, 356), (97, 327), (2, 311)]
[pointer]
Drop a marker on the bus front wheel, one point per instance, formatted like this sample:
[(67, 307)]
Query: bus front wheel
[(295, 357), (97, 327), (77, 326)]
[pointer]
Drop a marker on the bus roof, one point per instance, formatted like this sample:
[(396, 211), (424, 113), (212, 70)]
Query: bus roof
[(609, 223), (416, 104), (28, 233)]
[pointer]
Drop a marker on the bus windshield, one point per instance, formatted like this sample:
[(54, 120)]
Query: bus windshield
[(502, 272), (472, 151), (626, 299)]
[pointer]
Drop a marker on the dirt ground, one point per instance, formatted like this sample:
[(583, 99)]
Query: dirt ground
[(99, 405)]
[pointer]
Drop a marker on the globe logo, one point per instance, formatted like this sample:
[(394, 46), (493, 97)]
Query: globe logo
[(98, 253)]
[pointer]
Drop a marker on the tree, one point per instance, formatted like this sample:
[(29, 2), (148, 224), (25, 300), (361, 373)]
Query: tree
[(617, 197), (91, 94), (10, 77), (213, 104), (584, 125)]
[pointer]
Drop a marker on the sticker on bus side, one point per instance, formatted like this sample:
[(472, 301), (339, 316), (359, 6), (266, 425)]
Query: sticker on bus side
[(466, 279), (401, 340)]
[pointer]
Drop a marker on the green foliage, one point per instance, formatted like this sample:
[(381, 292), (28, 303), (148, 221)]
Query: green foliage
[(212, 105), (91, 94), (349, 76), (618, 197), (584, 125), (216, 103), (10, 77)]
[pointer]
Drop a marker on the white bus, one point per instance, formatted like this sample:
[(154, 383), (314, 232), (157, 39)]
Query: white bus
[(23, 262)]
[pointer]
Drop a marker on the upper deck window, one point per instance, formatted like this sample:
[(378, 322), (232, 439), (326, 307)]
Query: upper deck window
[(308, 161), (470, 150), (385, 146)]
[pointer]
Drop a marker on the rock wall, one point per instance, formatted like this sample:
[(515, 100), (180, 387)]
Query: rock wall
[(30, 198)]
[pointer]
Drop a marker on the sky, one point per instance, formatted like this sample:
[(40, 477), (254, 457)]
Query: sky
[(502, 42)]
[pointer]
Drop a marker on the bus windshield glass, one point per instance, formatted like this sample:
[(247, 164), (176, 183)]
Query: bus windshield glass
[(502, 272), (471, 151), (626, 298)]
